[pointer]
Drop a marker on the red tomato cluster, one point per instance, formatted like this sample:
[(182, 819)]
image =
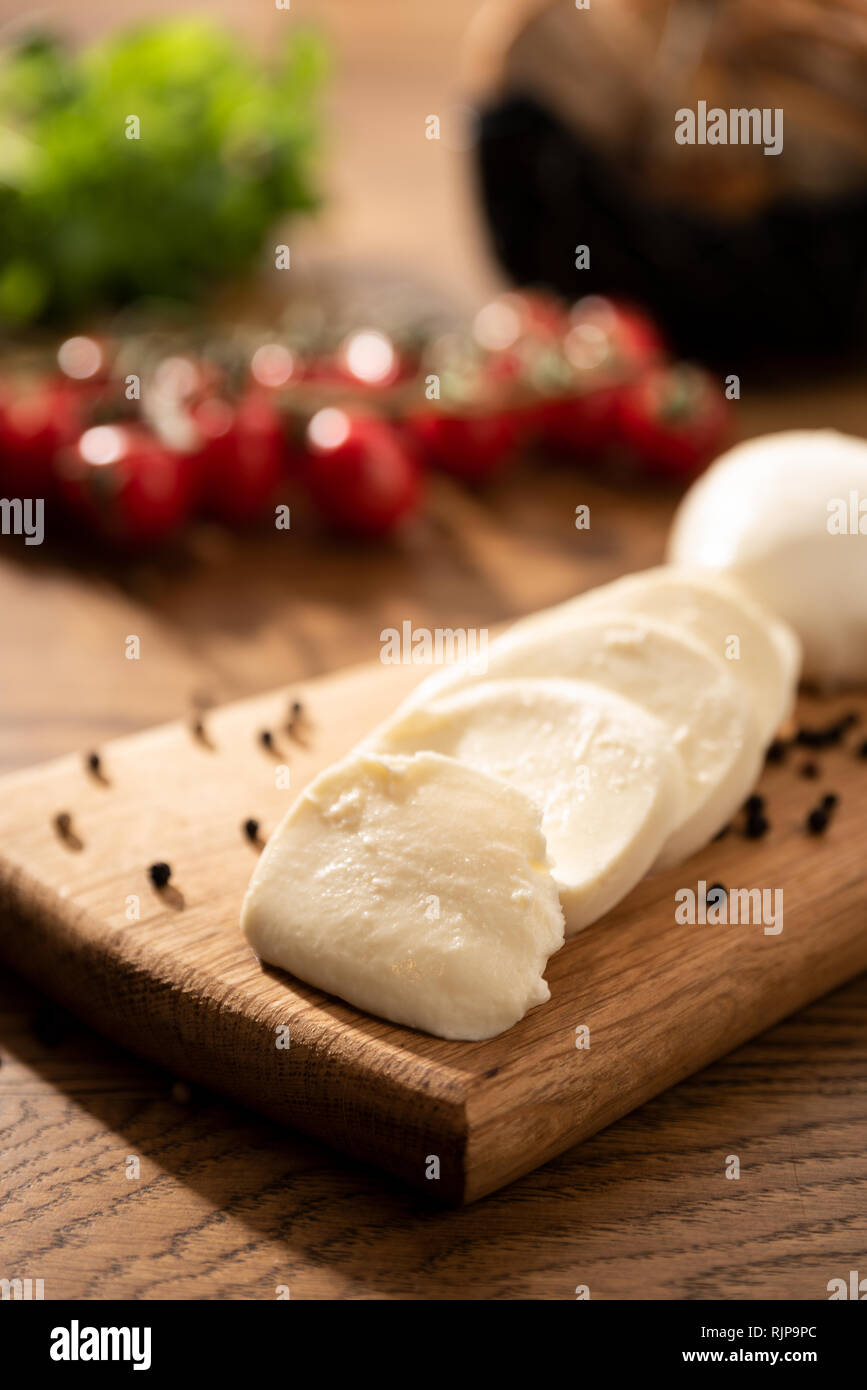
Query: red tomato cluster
[(595, 379), (353, 431)]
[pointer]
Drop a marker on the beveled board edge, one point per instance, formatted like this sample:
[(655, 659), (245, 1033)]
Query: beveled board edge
[(319, 1085)]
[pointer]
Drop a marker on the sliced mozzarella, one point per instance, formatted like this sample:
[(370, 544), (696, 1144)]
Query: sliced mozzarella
[(765, 656), (600, 768), (786, 515), (416, 888), (714, 730)]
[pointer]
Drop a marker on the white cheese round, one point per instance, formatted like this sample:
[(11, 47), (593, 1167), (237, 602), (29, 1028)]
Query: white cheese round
[(599, 767), (786, 515), (715, 732), (415, 888), (760, 651)]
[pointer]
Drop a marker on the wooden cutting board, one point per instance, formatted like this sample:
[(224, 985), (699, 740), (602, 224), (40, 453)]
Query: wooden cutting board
[(178, 983)]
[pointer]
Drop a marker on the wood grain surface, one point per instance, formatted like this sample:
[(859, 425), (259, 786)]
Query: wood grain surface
[(166, 972), (228, 1204)]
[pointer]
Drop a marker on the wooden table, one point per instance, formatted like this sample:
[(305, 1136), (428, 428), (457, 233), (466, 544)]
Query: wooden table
[(229, 1206)]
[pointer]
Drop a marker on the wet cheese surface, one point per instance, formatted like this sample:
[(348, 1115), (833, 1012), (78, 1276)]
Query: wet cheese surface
[(416, 888), (601, 770)]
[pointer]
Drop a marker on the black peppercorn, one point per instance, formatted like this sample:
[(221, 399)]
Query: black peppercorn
[(757, 826), (826, 737), (251, 829), (296, 712), (159, 874), (817, 821)]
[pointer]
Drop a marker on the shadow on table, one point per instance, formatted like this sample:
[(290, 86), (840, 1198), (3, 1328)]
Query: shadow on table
[(641, 1210)]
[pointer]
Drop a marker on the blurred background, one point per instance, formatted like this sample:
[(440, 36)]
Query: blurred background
[(318, 319)]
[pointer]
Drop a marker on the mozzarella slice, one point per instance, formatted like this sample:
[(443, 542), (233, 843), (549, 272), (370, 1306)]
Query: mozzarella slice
[(678, 680), (602, 771), (766, 657), (786, 515), (415, 888)]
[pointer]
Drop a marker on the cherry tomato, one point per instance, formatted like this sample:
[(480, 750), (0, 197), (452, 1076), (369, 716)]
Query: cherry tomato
[(606, 335), (370, 359), (362, 475), (605, 344), (583, 424), (242, 454), (124, 484), (324, 371), (37, 421), (639, 340), (673, 419), (520, 335), (366, 362), (274, 365), (83, 359), (500, 325), (470, 444), (181, 379)]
